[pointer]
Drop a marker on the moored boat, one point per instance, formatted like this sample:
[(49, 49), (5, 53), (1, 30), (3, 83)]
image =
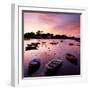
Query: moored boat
[(54, 43), (33, 66), (53, 66), (71, 44), (31, 48), (61, 41), (71, 58)]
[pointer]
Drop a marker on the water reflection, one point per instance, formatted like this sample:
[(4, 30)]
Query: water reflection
[(49, 49)]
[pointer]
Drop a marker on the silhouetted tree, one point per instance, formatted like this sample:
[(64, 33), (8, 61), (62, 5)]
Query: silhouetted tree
[(40, 35), (39, 32), (29, 35)]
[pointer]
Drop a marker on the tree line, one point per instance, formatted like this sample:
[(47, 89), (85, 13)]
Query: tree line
[(40, 35)]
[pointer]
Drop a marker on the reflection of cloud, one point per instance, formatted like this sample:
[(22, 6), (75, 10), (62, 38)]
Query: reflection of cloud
[(52, 23)]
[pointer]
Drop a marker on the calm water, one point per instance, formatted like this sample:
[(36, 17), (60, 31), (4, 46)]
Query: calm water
[(47, 52)]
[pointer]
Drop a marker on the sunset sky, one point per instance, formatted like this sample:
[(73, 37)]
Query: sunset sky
[(56, 23)]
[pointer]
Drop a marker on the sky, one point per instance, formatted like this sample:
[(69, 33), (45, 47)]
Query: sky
[(55, 23)]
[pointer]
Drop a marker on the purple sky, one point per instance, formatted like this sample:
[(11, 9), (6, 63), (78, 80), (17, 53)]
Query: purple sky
[(56, 23)]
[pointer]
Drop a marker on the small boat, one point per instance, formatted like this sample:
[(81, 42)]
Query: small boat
[(78, 44), (54, 43), (34, 65), (53, 66), (71, 44), (61, 41), (71, 58), (43, 42), (31, 47), (35, 44)]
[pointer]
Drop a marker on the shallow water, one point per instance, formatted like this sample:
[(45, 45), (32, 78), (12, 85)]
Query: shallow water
[(47, 51)]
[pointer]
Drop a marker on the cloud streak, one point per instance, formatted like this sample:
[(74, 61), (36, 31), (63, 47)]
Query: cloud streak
[(56, 23)]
